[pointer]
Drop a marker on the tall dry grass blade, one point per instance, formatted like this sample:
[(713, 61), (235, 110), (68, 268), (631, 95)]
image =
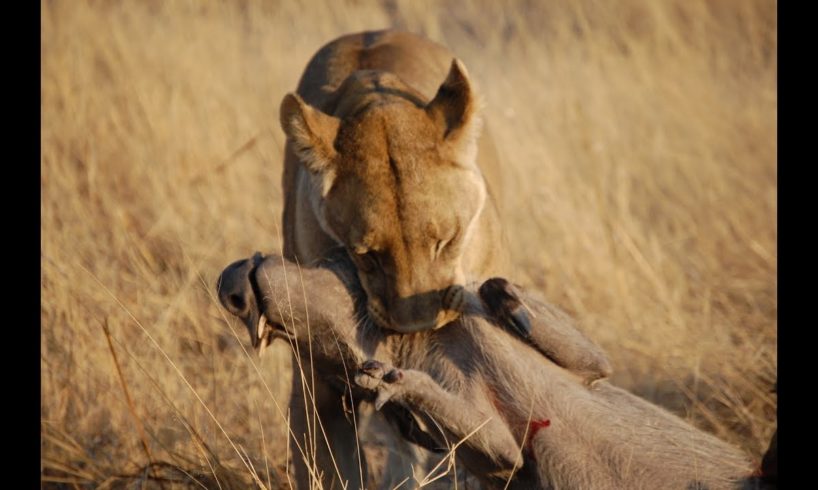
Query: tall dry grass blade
[(201, 445), (131, 406), (401, 483), (518, 463), (352, 403), (58, 465), (449, 456), (263, 447), (252, 468), (62, 479), (191, 477), (62, 439), (287, 458)]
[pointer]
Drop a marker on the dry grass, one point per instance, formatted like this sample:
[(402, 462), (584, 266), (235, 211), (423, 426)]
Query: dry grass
[(639, 139)]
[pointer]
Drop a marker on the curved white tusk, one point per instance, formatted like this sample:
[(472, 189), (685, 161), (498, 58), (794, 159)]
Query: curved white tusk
[(265, 341), (262, 326)]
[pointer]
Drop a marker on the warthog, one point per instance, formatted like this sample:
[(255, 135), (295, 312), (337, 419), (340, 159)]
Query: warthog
[(523, 416)]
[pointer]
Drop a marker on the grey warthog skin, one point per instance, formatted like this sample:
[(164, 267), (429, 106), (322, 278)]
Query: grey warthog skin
[(475, 381)]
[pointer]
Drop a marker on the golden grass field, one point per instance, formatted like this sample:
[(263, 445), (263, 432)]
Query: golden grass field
[(640, 194)]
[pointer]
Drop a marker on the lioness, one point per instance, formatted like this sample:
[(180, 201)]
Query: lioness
[(384, 157)]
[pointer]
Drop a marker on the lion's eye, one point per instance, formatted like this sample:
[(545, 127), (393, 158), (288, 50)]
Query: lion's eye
[(439, 246), (370, 261), (365, 259)]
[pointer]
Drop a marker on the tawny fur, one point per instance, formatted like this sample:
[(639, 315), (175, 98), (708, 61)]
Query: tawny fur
[(472, 372), (385, 157)]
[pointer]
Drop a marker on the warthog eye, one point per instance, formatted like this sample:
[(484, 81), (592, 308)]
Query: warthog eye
[(237, 302)]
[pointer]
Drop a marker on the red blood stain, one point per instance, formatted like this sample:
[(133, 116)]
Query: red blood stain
[(533, 427)]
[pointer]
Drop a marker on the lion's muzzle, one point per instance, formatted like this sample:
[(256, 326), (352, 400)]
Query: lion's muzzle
[(424, 311)]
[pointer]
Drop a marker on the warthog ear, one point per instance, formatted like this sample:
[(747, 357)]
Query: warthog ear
[(312, 133), (454, 109)]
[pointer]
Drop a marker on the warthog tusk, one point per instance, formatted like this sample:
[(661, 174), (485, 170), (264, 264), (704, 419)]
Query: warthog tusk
[(261, 331), (265, 341), (262, 326)]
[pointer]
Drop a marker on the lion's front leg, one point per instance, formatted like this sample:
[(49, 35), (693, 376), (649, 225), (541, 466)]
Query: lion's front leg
[(323, 442)]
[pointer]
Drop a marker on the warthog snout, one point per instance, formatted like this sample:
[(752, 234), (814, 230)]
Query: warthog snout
[(238, 293)]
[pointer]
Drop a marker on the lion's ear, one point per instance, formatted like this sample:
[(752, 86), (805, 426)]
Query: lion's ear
[(311, 131), (454, 109)]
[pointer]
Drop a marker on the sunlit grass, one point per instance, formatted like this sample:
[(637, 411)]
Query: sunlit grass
[(638, 142)]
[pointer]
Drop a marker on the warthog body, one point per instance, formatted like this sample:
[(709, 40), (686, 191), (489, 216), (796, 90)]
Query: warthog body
[(524, 416)]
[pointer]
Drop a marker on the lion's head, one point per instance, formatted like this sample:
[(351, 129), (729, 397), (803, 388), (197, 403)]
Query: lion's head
[(395, 182)]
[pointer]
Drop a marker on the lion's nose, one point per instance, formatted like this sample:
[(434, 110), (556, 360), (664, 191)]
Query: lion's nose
[(425, 311)]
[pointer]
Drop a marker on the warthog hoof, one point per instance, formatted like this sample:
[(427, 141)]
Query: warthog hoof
[(377, 376)]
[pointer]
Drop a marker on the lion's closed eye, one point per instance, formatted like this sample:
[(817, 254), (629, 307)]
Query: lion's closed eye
[(443, 244), (438, 248), (366, 260)]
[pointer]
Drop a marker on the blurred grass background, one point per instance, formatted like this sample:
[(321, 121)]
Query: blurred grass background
[(639, 142)]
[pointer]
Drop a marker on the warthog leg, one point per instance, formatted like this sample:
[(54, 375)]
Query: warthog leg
[(546, 328), (483, 435)]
